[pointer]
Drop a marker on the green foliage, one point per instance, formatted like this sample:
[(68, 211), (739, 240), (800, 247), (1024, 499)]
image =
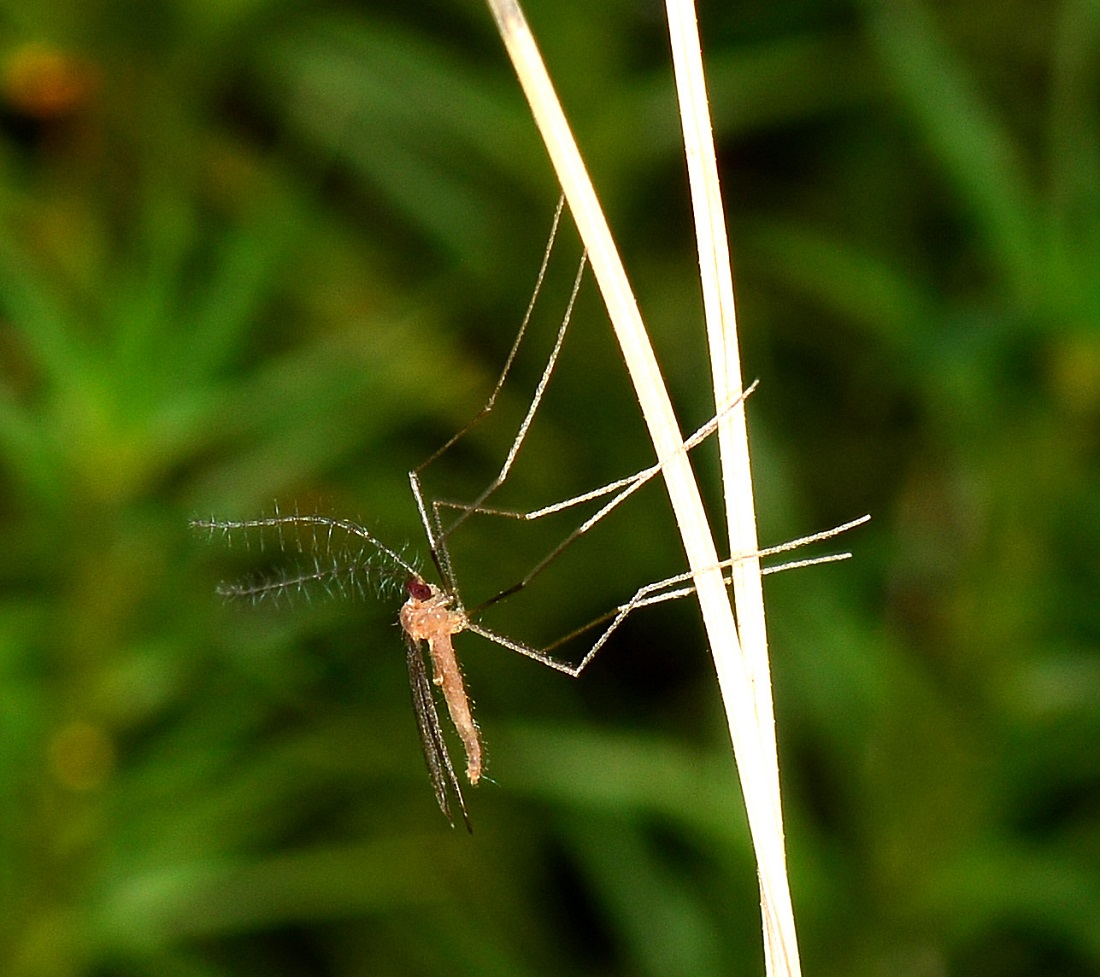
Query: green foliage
[(273, 253)]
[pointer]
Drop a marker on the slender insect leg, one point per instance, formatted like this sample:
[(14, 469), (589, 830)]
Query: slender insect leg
[(629, 482), (436, 532), (623, 489), (670, 588)]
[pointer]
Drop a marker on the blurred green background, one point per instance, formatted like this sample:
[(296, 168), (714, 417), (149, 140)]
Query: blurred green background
[(259, 253)]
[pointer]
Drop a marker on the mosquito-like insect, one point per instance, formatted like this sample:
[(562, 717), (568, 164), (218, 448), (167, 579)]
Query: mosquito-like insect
[(432, 614)]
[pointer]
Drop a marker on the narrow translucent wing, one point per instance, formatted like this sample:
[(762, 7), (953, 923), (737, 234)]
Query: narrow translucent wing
[(440, 768)]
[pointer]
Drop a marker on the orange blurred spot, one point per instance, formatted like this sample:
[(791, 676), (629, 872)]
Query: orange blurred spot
[(45, 83)]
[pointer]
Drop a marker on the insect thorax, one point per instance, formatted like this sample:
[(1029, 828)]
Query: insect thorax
[(428, 612)]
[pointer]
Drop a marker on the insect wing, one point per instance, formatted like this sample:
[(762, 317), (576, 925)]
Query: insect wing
[(440, 768)]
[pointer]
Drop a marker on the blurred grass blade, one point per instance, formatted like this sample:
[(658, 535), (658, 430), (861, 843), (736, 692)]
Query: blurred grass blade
[(978, 155)]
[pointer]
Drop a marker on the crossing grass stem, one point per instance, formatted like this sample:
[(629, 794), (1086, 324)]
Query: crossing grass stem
[(740, 653)]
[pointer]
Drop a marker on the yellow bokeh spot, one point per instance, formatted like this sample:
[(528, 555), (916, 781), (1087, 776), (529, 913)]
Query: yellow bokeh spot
[(82, 756)]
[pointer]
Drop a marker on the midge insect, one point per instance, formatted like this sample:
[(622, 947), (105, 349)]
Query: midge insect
[(433, 614)]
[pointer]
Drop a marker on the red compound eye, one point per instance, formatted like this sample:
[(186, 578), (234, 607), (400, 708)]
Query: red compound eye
[(417, 589)]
